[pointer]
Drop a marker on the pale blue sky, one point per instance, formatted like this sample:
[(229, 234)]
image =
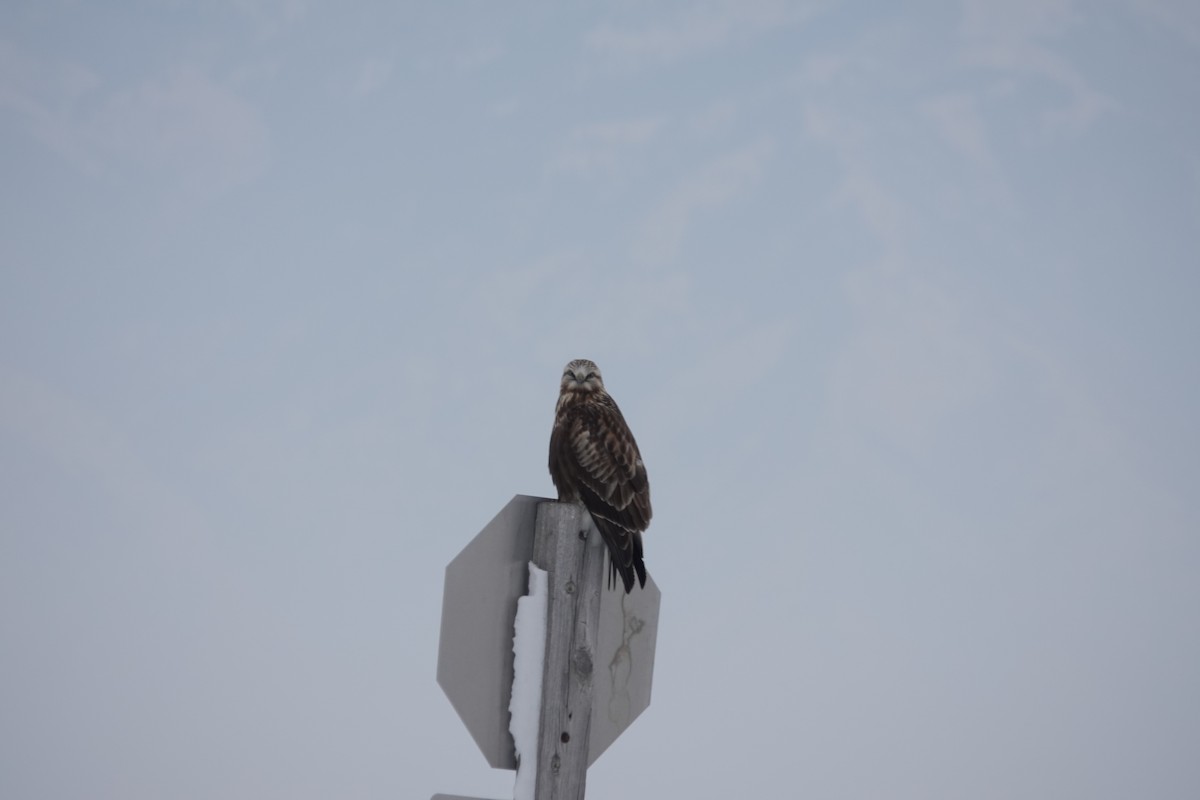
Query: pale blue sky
[(898, 299)]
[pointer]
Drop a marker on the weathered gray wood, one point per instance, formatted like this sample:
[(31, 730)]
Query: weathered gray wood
[(574, 584)]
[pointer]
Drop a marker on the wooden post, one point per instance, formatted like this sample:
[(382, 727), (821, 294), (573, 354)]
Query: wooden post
[(574, 583)]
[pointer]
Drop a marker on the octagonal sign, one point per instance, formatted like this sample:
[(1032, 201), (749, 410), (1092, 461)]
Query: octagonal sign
[(475, 657)]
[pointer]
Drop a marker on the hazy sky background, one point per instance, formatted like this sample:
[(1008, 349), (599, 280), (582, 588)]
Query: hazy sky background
[(899, 299)]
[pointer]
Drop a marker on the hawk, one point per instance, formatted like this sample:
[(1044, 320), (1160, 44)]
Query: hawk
[(594, 462)]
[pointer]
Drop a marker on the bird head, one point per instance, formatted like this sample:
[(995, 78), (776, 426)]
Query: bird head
[(581, 375)]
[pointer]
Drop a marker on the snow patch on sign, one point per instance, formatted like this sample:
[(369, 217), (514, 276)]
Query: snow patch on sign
[(525, 704)]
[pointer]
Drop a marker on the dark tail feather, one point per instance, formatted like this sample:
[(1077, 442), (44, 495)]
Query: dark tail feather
[(639, 562), (624, 554)]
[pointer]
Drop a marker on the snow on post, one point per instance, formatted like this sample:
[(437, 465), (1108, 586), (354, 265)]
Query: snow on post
[(525, 706)]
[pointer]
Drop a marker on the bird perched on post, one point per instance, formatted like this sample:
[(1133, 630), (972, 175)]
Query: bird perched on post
[(594, 461)]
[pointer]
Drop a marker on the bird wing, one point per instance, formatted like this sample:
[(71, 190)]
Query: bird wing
[(594, 459), (609, 470)]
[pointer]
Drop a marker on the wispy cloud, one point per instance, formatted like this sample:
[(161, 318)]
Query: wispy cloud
[(478, 57), (600, 145), (822, 69), (1014, 38), (42, 96), (859, 186), (717, 119), (182, 124), (741, 361), (696, 29), (468, 59), (373, 75), (957, 118), (914, 357), (711, 186), (185, 122), (272, 16), (1016, 20), (583, 300), (1182, 18), (1084, 104), (78, 441), (911, 356)]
